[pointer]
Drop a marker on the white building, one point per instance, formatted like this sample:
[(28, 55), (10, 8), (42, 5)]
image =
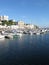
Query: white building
[(30, 26), (21, 24), (3, 18)]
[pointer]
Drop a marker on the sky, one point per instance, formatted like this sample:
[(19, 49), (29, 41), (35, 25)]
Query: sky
[(30, 11)]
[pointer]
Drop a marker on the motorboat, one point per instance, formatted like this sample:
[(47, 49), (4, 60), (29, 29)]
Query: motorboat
[(2, 36), (19, 34)]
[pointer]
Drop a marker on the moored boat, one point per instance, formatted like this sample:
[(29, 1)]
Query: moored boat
[(2, 36)]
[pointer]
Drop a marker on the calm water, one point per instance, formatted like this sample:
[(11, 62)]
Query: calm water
[(25, 50)]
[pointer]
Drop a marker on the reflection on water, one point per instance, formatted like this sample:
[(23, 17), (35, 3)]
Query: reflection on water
[(25, 49), (2, 39)]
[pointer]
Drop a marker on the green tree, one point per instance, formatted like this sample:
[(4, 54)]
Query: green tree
[(9, 22), (4, 22)]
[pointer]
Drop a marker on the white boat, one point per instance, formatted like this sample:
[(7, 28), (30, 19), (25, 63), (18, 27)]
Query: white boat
[(19, 34), (38, 33), (31, 33), (2, 36), (9, 36), (43, 30), (12, 34)]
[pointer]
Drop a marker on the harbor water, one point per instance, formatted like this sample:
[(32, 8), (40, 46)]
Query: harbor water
[(27, 49)]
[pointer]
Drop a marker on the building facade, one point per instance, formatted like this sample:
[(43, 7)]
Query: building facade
[(30, 26), (3, 18), (21, 24)]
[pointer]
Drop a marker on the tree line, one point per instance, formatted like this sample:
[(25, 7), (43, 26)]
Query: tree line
[(9, 22)]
